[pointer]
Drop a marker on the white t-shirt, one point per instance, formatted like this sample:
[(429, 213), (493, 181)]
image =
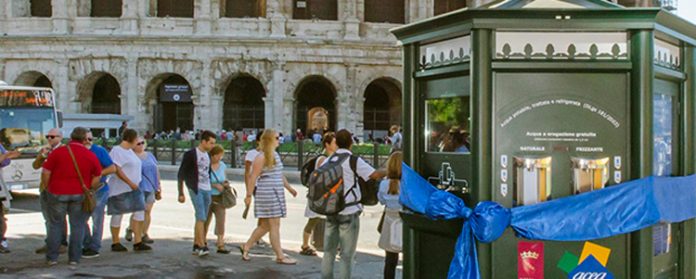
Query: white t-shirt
[(250, 157), (131, 166), (364, 170), (203, 170)]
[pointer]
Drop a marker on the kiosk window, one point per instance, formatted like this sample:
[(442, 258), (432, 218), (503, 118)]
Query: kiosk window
[(447, 125), (447, 114)]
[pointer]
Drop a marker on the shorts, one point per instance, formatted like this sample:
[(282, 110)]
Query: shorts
[(149, 197), (201, 204)]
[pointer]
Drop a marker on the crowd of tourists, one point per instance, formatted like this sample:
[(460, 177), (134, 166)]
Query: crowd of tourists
[(82, 181)]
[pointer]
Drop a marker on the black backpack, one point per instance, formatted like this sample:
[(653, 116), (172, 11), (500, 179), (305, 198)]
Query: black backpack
[(368, 188), (326, 187), (307, 170)]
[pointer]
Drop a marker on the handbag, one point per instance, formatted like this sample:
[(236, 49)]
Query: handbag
[(228, 194), (381, 221), (89, 202)]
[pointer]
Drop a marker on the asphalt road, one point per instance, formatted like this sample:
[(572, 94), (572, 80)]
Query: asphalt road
[(172, 231)]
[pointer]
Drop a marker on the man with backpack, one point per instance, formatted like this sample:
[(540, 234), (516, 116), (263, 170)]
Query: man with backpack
[(339, 198)]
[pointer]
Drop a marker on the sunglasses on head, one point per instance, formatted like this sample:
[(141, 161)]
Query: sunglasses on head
[(51, 137)]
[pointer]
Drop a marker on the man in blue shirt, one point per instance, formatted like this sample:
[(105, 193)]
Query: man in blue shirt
[(92, 242)]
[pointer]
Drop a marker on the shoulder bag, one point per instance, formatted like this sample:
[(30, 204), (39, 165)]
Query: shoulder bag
[(89, 202), (228, 194)]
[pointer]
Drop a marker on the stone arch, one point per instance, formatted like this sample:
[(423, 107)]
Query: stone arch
[(224, 71), (243, 103), (100, 92), (299, 75), (33, 78), (311, 92), (382, 106)]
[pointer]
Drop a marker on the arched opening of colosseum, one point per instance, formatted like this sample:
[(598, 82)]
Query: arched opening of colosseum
[(243, 106), (389, 11), (382, 107), (99, 92), (33, 78), (171, 8), (445, 6), (317, 95), (243, 8), (106, 95), (173, 103), (315, 9)]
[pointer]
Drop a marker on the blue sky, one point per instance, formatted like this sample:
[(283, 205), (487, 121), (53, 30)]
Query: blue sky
[(687, 9)]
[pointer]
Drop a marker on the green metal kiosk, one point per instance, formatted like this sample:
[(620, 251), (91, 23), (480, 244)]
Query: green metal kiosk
[(524, 101)]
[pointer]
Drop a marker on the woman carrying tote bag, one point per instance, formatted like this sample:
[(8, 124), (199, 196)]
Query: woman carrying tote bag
[(391, 235)]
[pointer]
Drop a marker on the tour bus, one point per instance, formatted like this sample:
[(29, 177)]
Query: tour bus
[(26, 115)]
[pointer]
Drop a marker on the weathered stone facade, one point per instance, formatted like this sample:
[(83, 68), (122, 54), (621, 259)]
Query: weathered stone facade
[(73, 50), (139, 50)]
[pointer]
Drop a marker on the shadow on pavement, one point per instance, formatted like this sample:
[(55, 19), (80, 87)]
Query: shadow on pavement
[(171, 258)]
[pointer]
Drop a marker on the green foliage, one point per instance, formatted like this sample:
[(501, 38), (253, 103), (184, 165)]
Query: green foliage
[(447, 111)]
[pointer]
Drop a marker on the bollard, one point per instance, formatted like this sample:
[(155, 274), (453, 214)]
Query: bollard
[(173, 152), (233, 155), (375, 159), (300, 154), (154, 150)]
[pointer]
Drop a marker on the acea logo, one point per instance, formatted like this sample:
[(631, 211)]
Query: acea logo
[(590, 269), (590, 265)]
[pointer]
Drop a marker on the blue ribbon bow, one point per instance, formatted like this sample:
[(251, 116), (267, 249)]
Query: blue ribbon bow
[(615, 210)]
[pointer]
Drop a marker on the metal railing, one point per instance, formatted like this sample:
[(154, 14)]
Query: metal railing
[(293, 154)]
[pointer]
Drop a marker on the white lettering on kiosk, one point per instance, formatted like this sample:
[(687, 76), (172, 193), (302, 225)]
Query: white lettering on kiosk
[(532, 148), (561, 102)]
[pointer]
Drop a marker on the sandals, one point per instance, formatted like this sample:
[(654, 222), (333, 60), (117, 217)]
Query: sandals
[(245, 253), (286, 261), (222, 250), (308, 251)]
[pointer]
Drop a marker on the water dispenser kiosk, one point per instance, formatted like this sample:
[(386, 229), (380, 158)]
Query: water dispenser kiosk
[(527, 101)]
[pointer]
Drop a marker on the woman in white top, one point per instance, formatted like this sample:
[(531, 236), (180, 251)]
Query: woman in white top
[(330, 147), (123, 197), (391, 229)]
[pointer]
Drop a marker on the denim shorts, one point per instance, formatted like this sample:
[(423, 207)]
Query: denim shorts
[(201, 204), (127, 202), (149, 197)]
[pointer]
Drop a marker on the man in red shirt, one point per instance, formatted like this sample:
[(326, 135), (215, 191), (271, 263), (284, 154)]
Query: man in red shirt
[(65, 193)]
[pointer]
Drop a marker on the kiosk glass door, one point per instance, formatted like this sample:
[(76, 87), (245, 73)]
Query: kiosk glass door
[(665, 163)]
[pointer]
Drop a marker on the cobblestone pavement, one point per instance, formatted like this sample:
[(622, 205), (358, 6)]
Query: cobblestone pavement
[(171, 257)]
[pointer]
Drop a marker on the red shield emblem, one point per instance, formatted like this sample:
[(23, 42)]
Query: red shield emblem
[(530, 260)]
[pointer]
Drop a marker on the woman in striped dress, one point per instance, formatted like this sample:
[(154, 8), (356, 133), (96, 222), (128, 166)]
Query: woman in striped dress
[(266, 183)]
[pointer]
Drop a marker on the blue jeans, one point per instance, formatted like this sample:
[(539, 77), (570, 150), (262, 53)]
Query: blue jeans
[(58, 207), (341, 229), (43, 200), (201, 204), (93, 239)]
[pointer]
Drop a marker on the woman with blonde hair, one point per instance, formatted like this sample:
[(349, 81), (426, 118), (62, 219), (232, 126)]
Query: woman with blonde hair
[(265, 184), (391, 228)]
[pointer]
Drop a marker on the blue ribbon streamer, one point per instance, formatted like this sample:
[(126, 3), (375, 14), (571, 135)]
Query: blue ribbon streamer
[(619, 209)]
